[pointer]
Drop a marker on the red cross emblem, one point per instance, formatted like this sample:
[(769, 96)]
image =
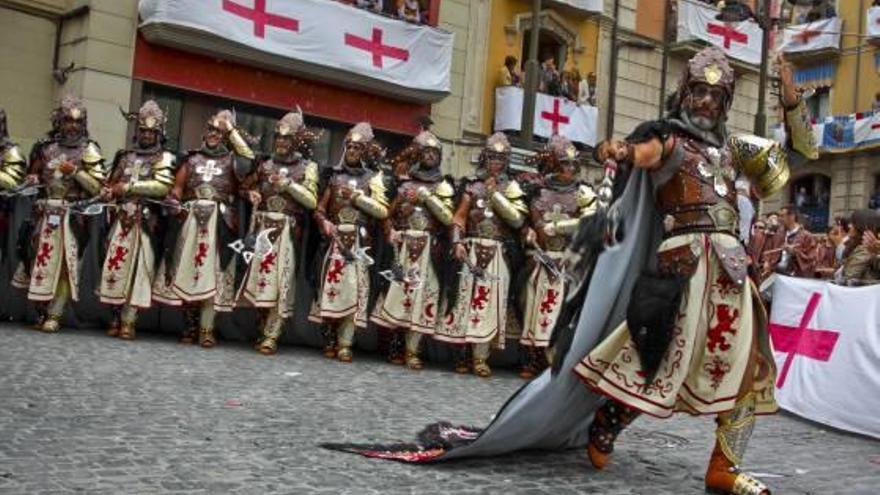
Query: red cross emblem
[(803, 341), (728, 33), (260, 17), (375, 46), (806, 35), (556, 117)]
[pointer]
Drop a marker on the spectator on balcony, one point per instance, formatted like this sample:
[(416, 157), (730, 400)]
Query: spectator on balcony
[(374, 5), (568, 86), (509, 75), (550, 79), (409, 11), (876, 105)]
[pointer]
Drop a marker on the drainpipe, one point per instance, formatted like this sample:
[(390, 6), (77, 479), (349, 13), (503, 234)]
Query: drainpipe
[(61, 74), (667, 40), (612, 77), (530, 97), (856, 89)]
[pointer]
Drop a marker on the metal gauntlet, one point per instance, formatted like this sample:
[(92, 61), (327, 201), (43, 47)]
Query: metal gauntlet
[(149, 188), (801, 130), (301, 194), (240, 145), (88, 181), (507, 210), (12, 168), (762, 161), (565, 227), (370, 206), (439, 209)]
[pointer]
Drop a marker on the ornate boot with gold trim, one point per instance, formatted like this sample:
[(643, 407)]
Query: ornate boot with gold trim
[(481, 368), (206, 338), (732, 436), (329, 336), (51, 324), (344, 354), (268, 345), (611, 419), (127, 331), (413, 361)]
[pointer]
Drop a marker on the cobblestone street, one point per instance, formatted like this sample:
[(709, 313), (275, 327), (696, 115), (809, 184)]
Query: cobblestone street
[(85, 413)]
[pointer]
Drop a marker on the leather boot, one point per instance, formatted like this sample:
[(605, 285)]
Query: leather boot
[(610, 420)]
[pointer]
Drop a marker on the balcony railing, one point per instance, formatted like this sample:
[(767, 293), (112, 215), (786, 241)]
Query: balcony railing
[(844, 133), (819, 40), (553, 115)]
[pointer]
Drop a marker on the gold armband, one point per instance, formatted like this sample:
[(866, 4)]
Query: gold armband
[(801, 131), (439, 208), (149, 188), (301, 194), (240, 146), (508, 210), (370, 206), (88, 181)]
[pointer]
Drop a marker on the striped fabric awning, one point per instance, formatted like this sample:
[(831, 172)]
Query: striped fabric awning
[(815, 76)]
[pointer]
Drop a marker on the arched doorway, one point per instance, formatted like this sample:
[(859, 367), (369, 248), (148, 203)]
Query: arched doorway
[(811, 194), (874, 199), (549, 45)]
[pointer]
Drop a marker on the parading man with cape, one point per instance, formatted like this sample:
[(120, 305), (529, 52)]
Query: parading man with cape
[(695, 338)]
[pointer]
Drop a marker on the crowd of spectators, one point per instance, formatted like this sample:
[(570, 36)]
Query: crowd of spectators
[(569, 84), (415, 11)]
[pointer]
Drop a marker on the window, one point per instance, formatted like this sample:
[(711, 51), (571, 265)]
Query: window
[(811, 194), (819, 103)]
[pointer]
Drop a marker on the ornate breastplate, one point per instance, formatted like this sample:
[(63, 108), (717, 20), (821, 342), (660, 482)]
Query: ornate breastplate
[(274, 199), (58, 185), (482, 219), (341, 210), (210, 177), (133, 167), (410, 213), (700, 195), (549, 206)]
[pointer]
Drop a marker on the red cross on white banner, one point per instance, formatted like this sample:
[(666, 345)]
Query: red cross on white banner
[(260, 17), (375, 47), (805, 36), (728, 33), (556, 117), (802, 340)]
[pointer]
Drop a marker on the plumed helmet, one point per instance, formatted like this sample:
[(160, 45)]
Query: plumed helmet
[(220, 117), (360, 133), (290, 124), (72, 107), (426, 139), (150, 116), (562, 148), (709, 66), (498, 143)]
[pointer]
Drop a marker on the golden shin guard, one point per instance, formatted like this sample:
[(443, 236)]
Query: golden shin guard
[(271, 333), (55, 310), (481, 360), (732, 437), (206, 324), (413, 343), (345, 338), (128, 322)]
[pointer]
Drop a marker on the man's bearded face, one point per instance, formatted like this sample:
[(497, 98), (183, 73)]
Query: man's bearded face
[(72, 128), (354, 153), (705, 105), (430, 158), (496, 163), (147, 138), (567, 171), (213, 137), (283, 145)]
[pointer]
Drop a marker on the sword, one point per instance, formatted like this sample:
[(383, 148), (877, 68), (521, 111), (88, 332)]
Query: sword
[(358, 254), (549, 263), (477, 272), (262, 245), (22, 190)]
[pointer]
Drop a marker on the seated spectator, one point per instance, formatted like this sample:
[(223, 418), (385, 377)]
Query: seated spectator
[(509, 75), (409, 10), (862, 263)]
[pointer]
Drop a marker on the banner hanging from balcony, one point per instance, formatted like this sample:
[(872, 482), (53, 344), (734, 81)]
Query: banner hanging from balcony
[(586, 5), (844, 133), (320, 39), (873, 27), (553, 115), (739, 40), (814, 36), (827, 351)]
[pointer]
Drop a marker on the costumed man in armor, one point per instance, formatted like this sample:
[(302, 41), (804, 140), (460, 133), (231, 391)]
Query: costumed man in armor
[(13, 164), (70, 168), (198, 269), (484, 233), (146, 171), (695, 337), (283, 190), (420, 211), (353, 200), (555, 210)]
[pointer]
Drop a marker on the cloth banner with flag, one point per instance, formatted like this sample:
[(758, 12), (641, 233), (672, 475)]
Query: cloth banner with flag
[(873, 27), (813, 36), (553, 115), (739, 40), (866, 130), (325, 34), (826, 342)]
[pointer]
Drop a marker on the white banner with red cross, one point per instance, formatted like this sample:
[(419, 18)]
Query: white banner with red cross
[(553, 115), (739, 40), (826, 340), (873, 22), (813, 36), (320, 32)]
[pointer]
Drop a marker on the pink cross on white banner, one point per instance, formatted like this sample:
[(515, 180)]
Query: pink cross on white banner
[(553, 115), (813, 36), (740, 40), (826, 341)]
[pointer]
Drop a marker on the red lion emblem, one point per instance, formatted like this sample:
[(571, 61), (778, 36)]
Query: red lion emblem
[(45, 254), (202, 254), (334, 274), (480, 298), (726, 319), (549, 301), (266, 264), (117, 258)]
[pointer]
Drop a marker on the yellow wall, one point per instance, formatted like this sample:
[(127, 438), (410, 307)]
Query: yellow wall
[(869, 79), (501, 44)]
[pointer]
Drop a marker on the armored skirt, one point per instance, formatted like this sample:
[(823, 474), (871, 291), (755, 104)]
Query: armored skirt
[(412, 305), (345, 285), (544, 296), (129, 267), (269, 281), (720, 328), (197, 275), (480, 312), (56, 254)]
